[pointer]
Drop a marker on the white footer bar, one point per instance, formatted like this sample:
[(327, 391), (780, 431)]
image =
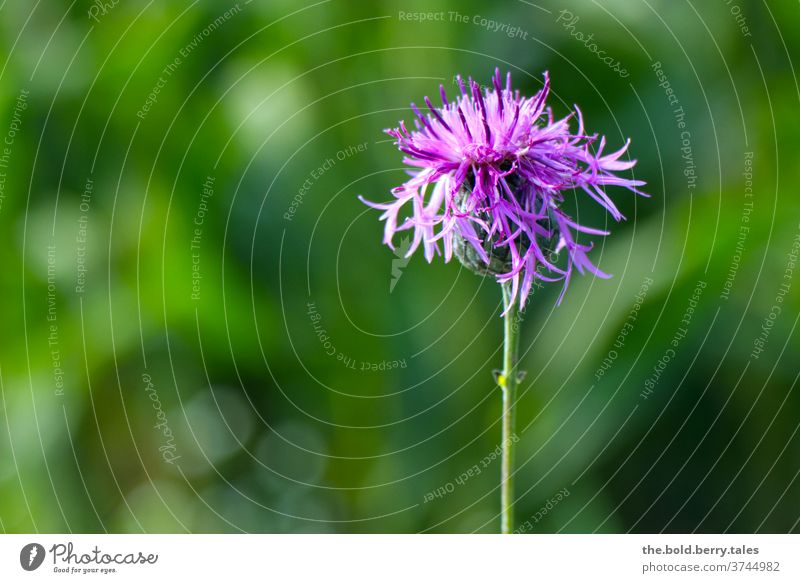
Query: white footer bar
[(400, 558)]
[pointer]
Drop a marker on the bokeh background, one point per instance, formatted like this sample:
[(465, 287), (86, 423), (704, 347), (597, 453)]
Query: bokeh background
[(202, 332)]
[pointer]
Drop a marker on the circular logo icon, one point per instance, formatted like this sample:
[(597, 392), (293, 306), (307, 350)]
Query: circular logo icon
[(31, 556)]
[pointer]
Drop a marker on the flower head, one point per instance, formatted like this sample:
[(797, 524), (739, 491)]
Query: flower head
[(490, 171)]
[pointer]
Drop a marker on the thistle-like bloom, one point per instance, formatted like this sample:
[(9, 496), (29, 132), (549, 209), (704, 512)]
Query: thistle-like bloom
[(491, 169)]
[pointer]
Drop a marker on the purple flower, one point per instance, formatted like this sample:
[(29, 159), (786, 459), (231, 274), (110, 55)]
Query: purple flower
[(490, 170)]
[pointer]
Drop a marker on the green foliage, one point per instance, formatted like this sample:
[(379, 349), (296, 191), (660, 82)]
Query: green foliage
[(302, 394)]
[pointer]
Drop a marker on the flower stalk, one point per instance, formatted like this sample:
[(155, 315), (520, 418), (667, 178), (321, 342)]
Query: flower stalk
[(508, 381)]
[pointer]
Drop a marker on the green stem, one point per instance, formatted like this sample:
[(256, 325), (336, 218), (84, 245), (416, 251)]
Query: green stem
[(508, 384)]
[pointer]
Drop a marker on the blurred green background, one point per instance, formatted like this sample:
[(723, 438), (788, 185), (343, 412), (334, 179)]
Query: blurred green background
[(202, 332)]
